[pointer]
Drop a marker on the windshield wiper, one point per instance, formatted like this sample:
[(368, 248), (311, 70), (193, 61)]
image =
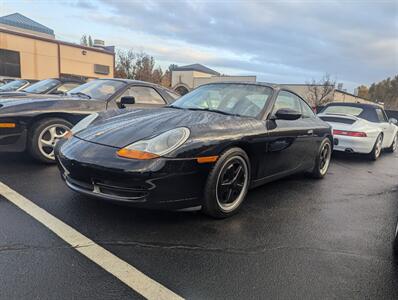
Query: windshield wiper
[(177, 107), (214, 110), (82, 94)]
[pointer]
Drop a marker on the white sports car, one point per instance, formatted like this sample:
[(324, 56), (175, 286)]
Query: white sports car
[(361, 128)]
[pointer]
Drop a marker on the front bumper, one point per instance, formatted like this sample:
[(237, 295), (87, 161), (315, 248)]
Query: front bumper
[(353, 144), (13, 139), (97, 171)]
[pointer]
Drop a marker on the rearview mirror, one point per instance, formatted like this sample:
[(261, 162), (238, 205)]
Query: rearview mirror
[(287, 114), (126, 100), (393, 121)]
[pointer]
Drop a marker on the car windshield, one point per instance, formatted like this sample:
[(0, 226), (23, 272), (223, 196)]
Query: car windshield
[(42, 86), (97, 89), (343, 109), (228, 98), (12, 86)]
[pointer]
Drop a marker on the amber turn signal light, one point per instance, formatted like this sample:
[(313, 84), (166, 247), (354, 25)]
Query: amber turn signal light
[(136, 154), (7, 125), (68, 134), (206, 159)]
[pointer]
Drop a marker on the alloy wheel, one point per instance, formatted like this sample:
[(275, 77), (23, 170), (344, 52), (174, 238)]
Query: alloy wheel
[(49, 137), (394, 143), (324, 158), (378, 146), (232, 183)]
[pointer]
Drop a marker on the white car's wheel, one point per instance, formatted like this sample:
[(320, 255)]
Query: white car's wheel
[(376, 148), (393, 146)]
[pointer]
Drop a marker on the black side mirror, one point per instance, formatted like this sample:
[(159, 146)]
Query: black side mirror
[(287, 114), (393, 121), (126, 100)]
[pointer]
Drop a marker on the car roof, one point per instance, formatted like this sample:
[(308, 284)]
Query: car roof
[(138, 82), (258, 83), (354, 104), (70, 80)]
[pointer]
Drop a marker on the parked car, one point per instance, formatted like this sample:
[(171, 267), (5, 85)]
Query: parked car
[(36, 123), (16, 85), (361, 128), (5, 80), (56, 86), (206, 149)]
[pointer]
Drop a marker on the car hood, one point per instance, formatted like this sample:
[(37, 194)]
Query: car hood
[(11, 94), (28, 98), (121, 128)]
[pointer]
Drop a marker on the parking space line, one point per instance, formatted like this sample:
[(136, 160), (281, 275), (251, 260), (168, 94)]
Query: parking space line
[(126, 273)]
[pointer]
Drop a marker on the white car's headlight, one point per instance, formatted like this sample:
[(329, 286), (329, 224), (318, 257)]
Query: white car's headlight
[(157, 146), (83, 124)]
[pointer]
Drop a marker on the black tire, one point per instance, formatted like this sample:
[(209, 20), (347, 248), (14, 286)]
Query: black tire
[(35, 133), (394, 145), (213, 205), (321, 166), (376, 151)]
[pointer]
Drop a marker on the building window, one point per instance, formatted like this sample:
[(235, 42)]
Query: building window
[(10, 63), (101, 69)]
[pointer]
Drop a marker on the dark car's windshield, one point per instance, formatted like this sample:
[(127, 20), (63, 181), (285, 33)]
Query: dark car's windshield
[(42, 86), (13, 85), (228, 98), (97, 89)]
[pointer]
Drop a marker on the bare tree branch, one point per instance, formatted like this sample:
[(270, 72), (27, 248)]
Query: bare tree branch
[(320, 92)]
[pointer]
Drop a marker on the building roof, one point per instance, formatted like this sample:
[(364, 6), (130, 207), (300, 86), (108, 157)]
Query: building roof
[(198, 68), (20, 21)]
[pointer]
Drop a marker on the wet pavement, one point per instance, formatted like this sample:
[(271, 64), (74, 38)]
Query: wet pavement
[(294, 238)]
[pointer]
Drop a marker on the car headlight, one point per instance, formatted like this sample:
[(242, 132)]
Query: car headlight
[(157, 146), (83, 124)]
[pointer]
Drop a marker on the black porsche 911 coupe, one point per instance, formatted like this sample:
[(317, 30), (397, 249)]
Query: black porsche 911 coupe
[(206, 149), (36, 123)]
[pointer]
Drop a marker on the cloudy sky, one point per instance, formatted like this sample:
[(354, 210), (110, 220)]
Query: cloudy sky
[(279, 41)]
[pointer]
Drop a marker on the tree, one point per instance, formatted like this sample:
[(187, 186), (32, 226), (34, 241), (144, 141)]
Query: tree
[(320, 92), (125, 64), (144, 67), (138, 66), (385, 91), (363, 91), (157, 75), (86, 40), (166, 79)]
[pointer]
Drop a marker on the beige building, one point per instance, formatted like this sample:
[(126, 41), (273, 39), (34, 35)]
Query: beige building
[(186, 78), (29, 50)]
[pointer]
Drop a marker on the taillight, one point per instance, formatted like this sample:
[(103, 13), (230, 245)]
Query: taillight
[(349, 133)]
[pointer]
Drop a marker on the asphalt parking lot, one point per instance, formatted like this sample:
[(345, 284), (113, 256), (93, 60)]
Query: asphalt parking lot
[(294, 238)]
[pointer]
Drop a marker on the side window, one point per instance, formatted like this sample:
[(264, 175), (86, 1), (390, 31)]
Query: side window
[(380, 115), (144, 95), (306, 110), (66, 87), (174, 96), (286, 100)]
